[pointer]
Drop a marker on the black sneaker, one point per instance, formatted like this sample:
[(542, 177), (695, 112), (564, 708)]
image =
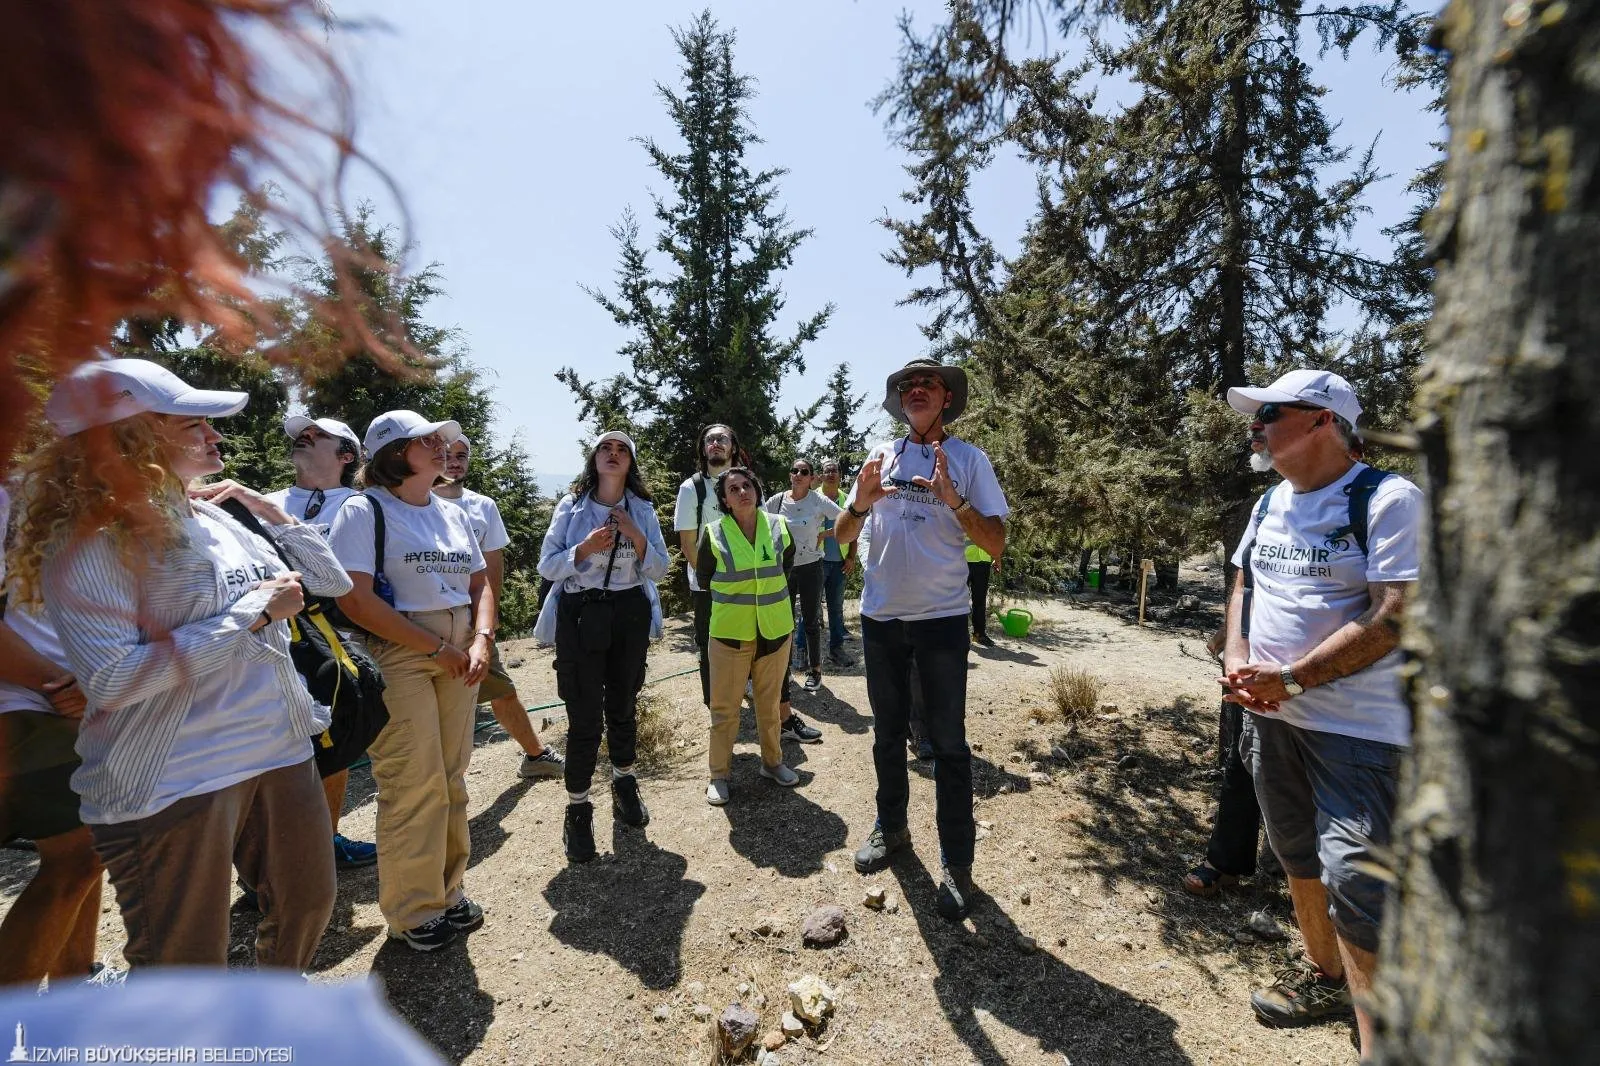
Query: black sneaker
[(429, 936), (625, 801), (880, 846), (465, 916), (955, 893), (795, 729), (840, 659), (577, 832), (1301, 996), (983, 638)]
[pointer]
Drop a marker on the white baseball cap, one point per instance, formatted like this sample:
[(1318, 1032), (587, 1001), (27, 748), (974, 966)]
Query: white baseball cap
[(1319, 388), (406, 425), (615, 434), (108, 390), (295, 425)]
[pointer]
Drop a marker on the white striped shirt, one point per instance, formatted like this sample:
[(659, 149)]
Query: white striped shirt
[(139, 641)]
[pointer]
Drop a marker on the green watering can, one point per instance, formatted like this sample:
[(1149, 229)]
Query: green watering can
[(1015, 622)]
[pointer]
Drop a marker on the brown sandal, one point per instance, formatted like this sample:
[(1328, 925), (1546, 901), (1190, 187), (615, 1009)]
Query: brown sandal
[(1206, 881)]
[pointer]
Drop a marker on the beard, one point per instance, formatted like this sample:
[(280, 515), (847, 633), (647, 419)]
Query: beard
[(1261, 462)]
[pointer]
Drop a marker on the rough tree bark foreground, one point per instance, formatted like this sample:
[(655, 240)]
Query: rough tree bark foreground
[(1492, 951)]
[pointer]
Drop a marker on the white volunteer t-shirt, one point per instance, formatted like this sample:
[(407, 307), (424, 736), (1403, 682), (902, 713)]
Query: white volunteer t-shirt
[(915, 559), (1310, 579), (429, 553), (484, 514), (807, 518), (586, 518), (683, 515), (33, 627), (295, 500), (238, 726)]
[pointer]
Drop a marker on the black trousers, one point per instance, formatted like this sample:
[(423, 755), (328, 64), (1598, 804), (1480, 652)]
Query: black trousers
[(1235, 833), (978, 581), (600, 686), (805, 585), (702, 634), (938, 647)]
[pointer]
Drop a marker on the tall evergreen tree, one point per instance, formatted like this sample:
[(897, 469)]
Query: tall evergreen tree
[(1191, 240), (838, 437), (707, 345)]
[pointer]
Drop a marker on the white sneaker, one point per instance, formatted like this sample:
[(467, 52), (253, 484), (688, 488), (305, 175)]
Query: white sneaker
[(781, 774), (717, 793)]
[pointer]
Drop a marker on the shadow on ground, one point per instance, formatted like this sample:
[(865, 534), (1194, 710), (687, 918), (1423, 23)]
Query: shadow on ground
[(632, 906), (781, 828), (985, 990), (437, 994)]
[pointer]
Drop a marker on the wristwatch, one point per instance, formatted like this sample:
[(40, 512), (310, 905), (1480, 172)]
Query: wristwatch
[(858, 514), (1290, 685), (484, 633), (966, 505)]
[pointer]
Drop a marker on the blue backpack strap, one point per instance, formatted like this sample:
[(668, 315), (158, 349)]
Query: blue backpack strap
[(1247, 569), (1360, 492)]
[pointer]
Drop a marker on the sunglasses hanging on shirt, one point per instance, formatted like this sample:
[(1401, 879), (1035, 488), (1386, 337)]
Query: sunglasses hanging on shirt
[(314, 505)]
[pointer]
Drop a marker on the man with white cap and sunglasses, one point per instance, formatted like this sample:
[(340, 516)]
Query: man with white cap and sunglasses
[(1325, 565), (917, 501), (498, 690), (325, 453)]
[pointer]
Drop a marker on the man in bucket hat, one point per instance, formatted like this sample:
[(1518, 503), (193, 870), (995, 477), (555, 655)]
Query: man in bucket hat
[(919, 499)]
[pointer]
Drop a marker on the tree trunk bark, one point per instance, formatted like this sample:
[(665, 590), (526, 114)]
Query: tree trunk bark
[(1491, 945)]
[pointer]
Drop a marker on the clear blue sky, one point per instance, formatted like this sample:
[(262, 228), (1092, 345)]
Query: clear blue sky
[(509, 128)]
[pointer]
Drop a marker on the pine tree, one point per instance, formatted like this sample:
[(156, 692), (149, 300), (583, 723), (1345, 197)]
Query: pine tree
[(837, 437), (1192, 240), (706, 344)]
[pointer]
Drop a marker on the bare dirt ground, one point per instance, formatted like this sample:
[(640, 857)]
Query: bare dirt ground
[(608, 962)]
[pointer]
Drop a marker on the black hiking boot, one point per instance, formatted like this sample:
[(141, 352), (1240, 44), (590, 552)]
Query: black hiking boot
[(577, 832), (625, 801)]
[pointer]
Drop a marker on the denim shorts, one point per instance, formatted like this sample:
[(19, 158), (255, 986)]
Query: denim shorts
[(1328, 804)]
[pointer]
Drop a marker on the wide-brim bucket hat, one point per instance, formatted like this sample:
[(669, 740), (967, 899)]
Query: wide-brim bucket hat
[(955, 383)]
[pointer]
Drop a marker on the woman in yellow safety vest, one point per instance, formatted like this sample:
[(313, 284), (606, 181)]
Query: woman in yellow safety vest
[(979, 565), (744, 559)]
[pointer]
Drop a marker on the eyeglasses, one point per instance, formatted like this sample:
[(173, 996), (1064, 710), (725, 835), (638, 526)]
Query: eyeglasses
[(1269, 413), (314, 505), (432, 441), (718, 438), (927, 384), (830, 471), (801, 471)]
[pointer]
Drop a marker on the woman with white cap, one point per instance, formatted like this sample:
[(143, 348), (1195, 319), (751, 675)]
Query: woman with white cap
[(604, 552), (425, 601), (195, 740)]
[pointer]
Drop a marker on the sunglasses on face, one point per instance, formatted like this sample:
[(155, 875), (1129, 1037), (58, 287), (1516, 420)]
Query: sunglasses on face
[(719, 438), (1269, 413), (926, 384), (800, 471)]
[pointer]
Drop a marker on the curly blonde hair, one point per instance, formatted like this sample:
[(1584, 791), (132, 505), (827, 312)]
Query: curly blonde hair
[(114, 478)]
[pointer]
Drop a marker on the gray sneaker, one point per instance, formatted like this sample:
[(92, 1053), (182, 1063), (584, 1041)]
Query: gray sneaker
[(781, 774), (548, 763), (874, 854)]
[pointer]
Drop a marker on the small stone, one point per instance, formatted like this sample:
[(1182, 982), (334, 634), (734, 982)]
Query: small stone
[(1033, 856), (823, 927), (1061, 941), (1004, 790), (737, 1028), (791, 1025), (977, 746), (980, 833), (1016, 756), (1039, 777), (702, 1012), (774, 1040), (891, 905), (979, 940), (875, 898), (1036, 766), (1026, 944), (985, 825), (1108, 708), (516, 662), (1025, 897), (1002, 923), (517, 957), (662, 1012), (1242, 937), (1073, 892), (760, 1001), (1266, 927), (546, 1000), (1128, 762), (768, 925), (696, 989), (811, 999), (1059, 753), (744, 988)]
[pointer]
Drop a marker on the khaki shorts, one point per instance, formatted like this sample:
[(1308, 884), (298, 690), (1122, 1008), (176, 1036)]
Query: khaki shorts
[(36, 764), (497, 684)]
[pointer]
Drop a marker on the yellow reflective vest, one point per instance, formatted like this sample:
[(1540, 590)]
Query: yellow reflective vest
[(976, 554), (748, 590)]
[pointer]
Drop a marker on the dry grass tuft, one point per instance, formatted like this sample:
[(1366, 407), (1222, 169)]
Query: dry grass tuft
[(657, 746), (1074, 694)]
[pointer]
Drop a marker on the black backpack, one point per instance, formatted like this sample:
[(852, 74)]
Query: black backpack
[(1359, 492), (337, 674)]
